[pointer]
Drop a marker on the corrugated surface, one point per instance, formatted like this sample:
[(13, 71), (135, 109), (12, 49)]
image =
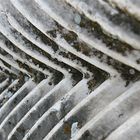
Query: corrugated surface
[(69, 69)]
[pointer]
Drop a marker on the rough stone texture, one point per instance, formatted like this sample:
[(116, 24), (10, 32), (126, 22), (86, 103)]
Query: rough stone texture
[(69, 69)]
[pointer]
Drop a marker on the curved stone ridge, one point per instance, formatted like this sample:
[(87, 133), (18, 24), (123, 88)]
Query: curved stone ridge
[(69, 69)]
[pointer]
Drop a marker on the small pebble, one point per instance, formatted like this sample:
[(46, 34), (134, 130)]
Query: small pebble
[(77, 18), (132, 71), (74, 129), (9, 94)]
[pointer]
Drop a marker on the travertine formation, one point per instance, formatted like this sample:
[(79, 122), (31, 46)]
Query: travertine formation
[(69, 70)]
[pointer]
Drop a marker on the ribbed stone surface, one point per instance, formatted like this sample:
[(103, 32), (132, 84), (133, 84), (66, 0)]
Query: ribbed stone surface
[(69, 69)]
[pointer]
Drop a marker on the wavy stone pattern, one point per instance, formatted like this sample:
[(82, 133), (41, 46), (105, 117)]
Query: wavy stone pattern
[(69, 70)]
